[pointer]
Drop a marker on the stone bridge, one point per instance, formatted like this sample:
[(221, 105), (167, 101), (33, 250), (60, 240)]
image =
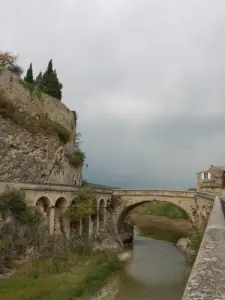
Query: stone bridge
[(52, 200), (196, 205), (206, 281)]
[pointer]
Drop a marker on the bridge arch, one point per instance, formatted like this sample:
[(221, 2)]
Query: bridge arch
[(43, 203), (186, 205), (60, 220)]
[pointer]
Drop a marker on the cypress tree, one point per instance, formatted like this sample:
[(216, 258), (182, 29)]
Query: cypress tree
[(50, 82), (29, 76), (39, 80)]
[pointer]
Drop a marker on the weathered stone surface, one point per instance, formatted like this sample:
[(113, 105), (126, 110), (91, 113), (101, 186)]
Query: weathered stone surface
[(40, 158), (207, 279)]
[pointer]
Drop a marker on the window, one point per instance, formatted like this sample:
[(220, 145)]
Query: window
[(206, 175)]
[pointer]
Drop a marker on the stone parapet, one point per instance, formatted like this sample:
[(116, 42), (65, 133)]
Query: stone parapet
[(207, 279)]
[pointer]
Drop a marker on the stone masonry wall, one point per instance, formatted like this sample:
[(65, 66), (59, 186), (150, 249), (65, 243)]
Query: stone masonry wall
[(40, 158), (206, 281)]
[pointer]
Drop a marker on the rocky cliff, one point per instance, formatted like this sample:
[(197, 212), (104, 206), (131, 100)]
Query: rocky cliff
[(37, 136)]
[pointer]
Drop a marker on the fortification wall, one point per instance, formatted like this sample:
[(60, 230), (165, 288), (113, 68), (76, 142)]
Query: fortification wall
[(39, 157)]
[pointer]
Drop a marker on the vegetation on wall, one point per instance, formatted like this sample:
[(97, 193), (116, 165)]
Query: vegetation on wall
[(77, 159), (84, 206), (8, 61), (34, 125), (21, 232)]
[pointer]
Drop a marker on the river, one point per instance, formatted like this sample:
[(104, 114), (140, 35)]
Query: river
[(156, 271)]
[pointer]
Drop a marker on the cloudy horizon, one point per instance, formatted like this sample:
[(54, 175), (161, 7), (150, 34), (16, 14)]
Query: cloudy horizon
[(147, 79)]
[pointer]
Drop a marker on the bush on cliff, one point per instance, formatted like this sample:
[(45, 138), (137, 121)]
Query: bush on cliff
[(77, 159)]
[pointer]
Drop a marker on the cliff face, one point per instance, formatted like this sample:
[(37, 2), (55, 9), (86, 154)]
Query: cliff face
[(35, 156)]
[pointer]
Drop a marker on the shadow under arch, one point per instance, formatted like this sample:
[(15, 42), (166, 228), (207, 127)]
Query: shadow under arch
[(43, 204), (76, 224), (102, 212), (60, 208), (126, 211)]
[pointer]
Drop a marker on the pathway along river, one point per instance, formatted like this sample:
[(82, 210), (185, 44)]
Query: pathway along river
[(156, 271)]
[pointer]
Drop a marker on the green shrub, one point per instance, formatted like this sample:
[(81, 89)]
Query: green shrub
[(84, 205), (77, 159), (194, 244)]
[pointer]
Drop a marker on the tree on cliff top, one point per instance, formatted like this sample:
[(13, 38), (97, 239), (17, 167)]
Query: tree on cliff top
[(7, 59), (50, 83), (29, 76), (39, 80)]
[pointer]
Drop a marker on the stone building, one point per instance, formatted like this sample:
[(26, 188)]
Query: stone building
[(211, 180)]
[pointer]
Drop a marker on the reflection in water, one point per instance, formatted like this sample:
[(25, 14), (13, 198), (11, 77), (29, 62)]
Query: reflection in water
[(157, 271)]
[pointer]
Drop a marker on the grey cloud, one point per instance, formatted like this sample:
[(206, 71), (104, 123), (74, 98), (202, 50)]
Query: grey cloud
[(146, 78)]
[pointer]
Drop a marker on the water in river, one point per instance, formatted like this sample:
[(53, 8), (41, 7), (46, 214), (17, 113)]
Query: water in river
[(156, 271)]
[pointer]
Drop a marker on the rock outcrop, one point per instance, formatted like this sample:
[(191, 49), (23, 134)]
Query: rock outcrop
[(35, 156)]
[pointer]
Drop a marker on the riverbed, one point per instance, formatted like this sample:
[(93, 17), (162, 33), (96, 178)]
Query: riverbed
[(157, 270)]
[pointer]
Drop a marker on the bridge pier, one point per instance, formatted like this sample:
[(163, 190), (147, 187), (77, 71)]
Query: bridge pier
[(51, 220)]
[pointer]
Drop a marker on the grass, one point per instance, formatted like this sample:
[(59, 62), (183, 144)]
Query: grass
[(172, 225), (161, 209), (60, 279), (43, 124)]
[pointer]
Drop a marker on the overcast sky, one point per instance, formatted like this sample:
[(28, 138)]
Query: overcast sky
[(147, 79)]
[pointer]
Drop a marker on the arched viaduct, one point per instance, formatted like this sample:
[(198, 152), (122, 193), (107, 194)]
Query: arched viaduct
[(52, 200)]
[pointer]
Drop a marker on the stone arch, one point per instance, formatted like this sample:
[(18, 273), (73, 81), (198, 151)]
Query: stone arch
[(128, 208), (43, 203), (60, 218), (102, 213)]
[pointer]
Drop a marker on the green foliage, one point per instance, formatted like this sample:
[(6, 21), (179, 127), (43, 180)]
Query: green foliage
[(39, 81), (84, 182), (97, 276), (161, 209), (43, 124), (50, 83), (84, 205), (16, 69), (77, 159), (20, 230), (12, 203), (54, 279), (29, 76), (195, 239)]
